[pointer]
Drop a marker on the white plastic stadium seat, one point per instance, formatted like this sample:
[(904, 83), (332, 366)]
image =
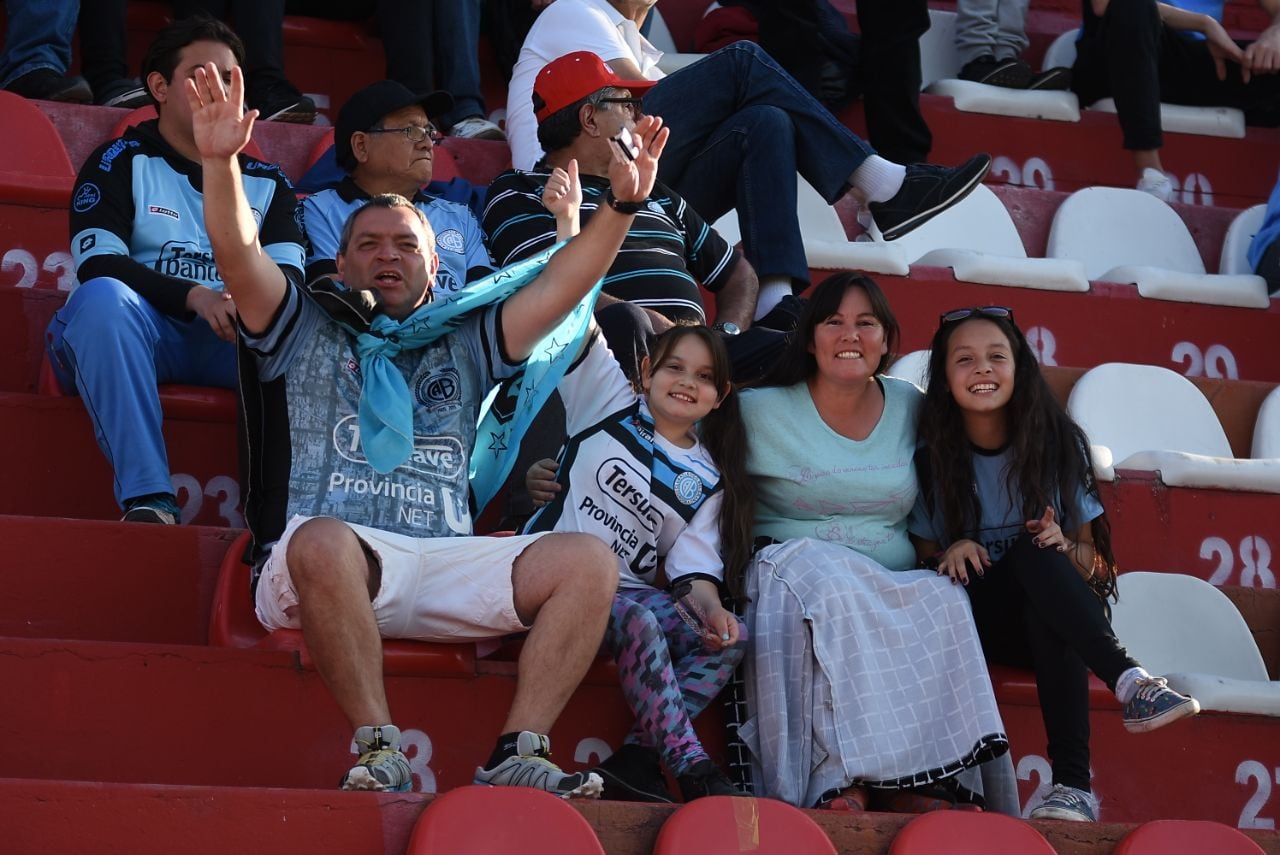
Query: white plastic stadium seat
[(912, 367), (826, 244), (979, 242), (940, 63), (1266, 431), (660, 37), (1235, 246), (1153, 419), (1130, 236), (1206, 121), (1187, 630)]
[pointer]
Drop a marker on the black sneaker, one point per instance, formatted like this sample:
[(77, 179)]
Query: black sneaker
[(1055, 79), (126, 92), (704, 778), (45, 84), (280, 101), (633, 773), (148, 514), (927, 191), (1010, 73), (783, 316)]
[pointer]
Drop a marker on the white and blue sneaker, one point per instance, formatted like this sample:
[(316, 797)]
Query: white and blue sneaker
[(531, 766), (382, 767), (1067, 803), (1154, 705)]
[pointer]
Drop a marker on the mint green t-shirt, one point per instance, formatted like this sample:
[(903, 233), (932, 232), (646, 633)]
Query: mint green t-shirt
[(813, 482)]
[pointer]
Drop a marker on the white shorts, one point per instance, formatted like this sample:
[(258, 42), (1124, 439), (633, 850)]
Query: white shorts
[(433, 589)]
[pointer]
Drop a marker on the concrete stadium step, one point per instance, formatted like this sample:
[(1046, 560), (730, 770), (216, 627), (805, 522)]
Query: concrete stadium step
[(108, 581), (53, 466)]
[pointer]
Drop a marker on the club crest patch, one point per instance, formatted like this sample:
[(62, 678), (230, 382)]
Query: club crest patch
[(688, 488), (450, 239)]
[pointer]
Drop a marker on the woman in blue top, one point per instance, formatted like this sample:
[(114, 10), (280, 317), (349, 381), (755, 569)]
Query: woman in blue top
[(862, 671), (1009, 508)]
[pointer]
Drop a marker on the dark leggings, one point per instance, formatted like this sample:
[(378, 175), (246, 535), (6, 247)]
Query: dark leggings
[(1032, 609), (1129, 54)]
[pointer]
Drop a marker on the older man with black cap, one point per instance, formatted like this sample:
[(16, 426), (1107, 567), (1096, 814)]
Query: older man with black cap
[(385, 141)]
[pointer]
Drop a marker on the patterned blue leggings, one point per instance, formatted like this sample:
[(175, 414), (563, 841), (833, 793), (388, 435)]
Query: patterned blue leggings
[(667, 675)]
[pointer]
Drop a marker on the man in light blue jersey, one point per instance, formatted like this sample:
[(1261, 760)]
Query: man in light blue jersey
[(386, 142), (150, 307), (364, 425)]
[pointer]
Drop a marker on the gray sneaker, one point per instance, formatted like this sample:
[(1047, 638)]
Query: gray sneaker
[(531, 767), (1067, 803), (382, 766)]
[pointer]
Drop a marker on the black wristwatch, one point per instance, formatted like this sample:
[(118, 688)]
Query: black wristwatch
[(727, 327), (623, 207)]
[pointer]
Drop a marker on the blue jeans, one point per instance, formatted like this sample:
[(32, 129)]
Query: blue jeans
[(38, 35), (112, 347), (455, 37), (741, 128)]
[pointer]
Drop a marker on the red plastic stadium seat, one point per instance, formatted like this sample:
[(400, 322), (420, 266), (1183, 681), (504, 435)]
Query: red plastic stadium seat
[(142, 114), (726, 825), (36, 169), (488, 820), (1186, 837), (323, 144), (965, 833), (233, 623)]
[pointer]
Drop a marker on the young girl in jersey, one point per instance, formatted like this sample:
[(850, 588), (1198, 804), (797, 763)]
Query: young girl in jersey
[(658, 475), (1009, 507)]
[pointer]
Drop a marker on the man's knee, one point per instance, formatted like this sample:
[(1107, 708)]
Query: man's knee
[(587, 563), (101, 307), (322, 549), (764, 119)]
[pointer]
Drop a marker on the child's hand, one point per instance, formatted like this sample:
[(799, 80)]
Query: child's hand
[(722, 628), (1046, 532), (962, 555), (540, 481), (563, 193)]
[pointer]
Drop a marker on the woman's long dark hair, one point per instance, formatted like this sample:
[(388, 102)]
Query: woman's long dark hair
[(722, 433), (1049, 459), (797, 363)]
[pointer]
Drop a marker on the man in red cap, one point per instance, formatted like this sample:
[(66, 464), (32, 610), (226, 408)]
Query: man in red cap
[(741, 129), (585, 113)]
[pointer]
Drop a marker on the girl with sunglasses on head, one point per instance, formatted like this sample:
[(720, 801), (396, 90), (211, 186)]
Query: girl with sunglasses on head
[(657, 473), (1009, 507)]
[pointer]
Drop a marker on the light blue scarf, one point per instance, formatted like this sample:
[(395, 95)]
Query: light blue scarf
[(386, 405)]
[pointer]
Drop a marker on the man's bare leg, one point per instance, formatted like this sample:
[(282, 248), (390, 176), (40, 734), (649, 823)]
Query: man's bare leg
[(335, 587), (564, 586)]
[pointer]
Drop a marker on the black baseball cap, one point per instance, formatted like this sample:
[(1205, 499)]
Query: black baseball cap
[(366, 108)]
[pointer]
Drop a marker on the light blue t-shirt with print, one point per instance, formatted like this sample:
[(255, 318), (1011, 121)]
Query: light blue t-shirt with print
[(1003, 519), (814, 482)]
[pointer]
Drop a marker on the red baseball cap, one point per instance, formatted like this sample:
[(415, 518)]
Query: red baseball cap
[(573, 77)]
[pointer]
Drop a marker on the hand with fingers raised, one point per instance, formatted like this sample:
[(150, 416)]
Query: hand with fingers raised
[(631, 180), (221, 126)]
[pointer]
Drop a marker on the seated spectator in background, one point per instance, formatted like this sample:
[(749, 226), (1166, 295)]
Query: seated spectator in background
[(1142, 53), (429, 44), (260, 24), (1264, 250), (990, 38), (668, 251), (812, 41), (104, 55), (350, 565), (150, 307), (37, 51), (741, 128), (385, 142)]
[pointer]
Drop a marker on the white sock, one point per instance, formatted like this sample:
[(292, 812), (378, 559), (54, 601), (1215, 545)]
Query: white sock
[(1127, 684), (772, 290), (877, 179)]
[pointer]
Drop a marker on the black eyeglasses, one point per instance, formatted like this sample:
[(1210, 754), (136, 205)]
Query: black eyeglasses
[(632, 104), (956, 315), (413, 133)]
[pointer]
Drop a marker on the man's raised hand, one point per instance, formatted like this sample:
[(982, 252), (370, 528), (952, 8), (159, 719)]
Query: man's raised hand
[(221, 126), (632, 180)]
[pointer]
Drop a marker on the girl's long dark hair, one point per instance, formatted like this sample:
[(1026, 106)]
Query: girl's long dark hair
[(722, 433), (797, 363), (1049, 459)]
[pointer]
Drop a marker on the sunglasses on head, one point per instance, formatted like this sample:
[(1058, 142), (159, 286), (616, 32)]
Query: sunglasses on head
[(957, 315)]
